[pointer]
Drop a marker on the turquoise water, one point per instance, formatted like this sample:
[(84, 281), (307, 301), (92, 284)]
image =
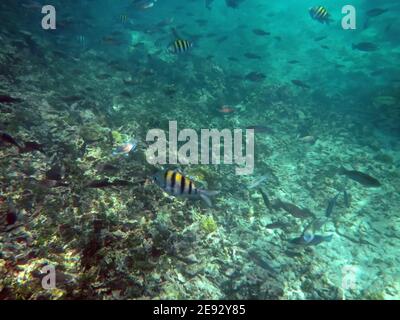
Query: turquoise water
[(316, 218)]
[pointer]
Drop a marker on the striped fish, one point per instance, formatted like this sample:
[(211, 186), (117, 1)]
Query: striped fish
[(180, 46), (320, 14), (176, 184), (123, 18)]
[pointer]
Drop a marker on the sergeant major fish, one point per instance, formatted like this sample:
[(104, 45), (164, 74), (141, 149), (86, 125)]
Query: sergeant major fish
[(320, 14), (179, 46), (176, 184)]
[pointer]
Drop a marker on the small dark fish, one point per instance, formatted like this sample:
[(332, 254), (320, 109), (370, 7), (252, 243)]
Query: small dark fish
[(201, 22), (294, 210), (293, 254), (266, 199), (233, 59), (255, 76), (56, 172), (325, 47), (109, 40), (122, 183), (11, 217), (375, 12), (103, 76), (125, 94), (378, 72), (364, 46), (30, 146), (362, 178), (278, 225), (293, 61), (208, 4), (47, 183), (346, 198), (5, 137), (389, 27), (260, 32), (260, 129), (11, 213), (222, 39), (317, 239), (331, 205), (233, 3), (301, 84), (72, 99), (107, 167), (99, 184), (9, 99), (250, 55), (317, 39), (260, 261), (107, 183), (170, 91)]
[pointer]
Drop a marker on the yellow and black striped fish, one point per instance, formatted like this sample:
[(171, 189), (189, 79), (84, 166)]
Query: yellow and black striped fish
[(320, 14), (123, 18), (179, 46), (177, 184)]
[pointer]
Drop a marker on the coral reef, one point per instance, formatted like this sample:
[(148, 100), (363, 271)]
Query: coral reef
[(127, 239)]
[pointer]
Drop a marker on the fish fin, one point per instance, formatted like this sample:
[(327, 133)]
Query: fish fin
[(206, 199), (175, 33), (205, 195), (341, 170)]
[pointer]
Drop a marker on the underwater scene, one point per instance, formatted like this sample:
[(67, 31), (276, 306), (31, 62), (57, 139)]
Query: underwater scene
[(200, 149)]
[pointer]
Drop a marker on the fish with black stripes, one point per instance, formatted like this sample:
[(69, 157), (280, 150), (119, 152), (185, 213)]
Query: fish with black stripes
[(179, 46), (320, 14), (175, 183)]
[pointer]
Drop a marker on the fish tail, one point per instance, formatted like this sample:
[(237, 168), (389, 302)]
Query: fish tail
[(328, 238), (175, 33), (205, 196)]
